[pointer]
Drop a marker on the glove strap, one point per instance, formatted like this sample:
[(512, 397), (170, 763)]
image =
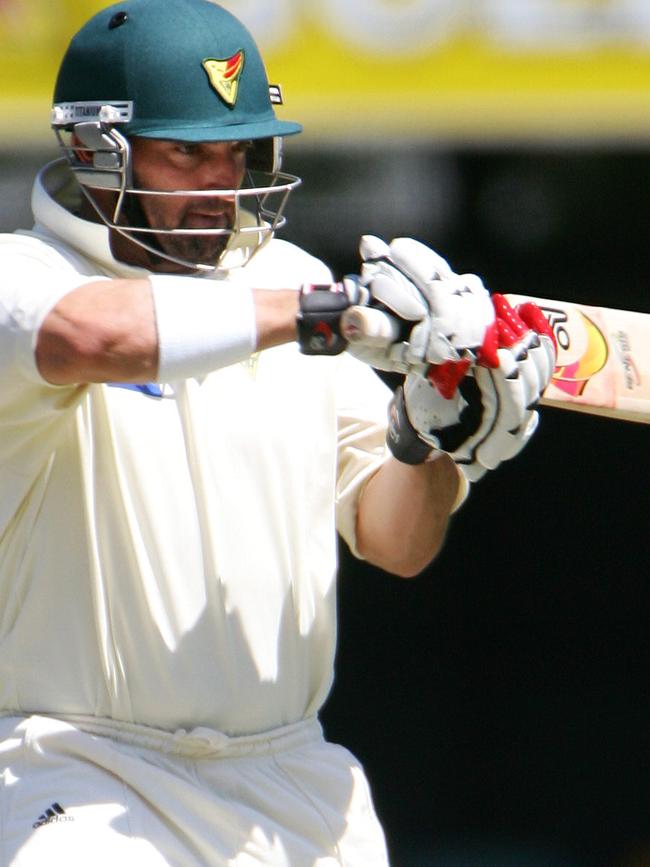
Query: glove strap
[(319, 319), (402, 438)]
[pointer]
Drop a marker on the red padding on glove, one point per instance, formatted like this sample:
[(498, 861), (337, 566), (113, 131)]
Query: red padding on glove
[(507, 335), (446, 376), (509, 315), (533, 316), (487, 354)]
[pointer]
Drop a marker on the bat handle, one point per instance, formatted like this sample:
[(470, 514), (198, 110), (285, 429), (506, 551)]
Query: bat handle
[(370, 326)]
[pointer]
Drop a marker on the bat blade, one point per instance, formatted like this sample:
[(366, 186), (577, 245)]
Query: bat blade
[(603, 364)]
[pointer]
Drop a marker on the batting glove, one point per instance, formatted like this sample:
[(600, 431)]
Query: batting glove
[(440, 318), (491, 415)]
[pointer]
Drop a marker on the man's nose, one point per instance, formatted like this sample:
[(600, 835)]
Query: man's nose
[(221, 173)]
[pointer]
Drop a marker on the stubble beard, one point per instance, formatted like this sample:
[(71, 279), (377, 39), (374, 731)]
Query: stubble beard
[(203, 249)]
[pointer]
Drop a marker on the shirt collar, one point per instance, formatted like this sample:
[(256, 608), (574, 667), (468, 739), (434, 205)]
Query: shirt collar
[(55, 198)]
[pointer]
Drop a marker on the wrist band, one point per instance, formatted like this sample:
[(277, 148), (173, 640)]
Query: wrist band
[(319, 319), (401, 437), (202, 325)]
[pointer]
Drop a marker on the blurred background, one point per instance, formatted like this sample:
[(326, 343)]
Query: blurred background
[(499, 703)]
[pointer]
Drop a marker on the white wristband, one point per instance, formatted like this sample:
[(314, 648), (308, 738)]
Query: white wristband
[(202, 325)]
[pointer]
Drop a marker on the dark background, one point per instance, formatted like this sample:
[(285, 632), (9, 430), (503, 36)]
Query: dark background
[(500, 702)]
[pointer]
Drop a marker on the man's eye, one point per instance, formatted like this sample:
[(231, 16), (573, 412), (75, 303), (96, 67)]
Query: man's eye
[(186, 149)]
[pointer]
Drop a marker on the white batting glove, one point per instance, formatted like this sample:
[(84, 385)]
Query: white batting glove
[(491, 415), (441, 317)]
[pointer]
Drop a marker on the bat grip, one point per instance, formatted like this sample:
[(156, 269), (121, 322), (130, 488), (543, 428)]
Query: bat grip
[(369, 326)]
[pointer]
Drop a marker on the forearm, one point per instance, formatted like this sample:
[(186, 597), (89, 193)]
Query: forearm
[(108, 329), (404, 513), (275, 317), (100, 331)]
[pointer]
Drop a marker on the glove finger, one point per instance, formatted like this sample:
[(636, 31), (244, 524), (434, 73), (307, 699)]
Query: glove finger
[(509, 316), (535, 353), (387, 360), (513, 400), (374, 253), (547, 345), (392, 289), (368, 272), (529, 374), (472, 295), (504, 445), (507, 436), (440, 349), (462, 313), (527, 321), (497, 443), (368, 354), (503, 400), (397, 357), (427, 344), (501, 445), (472, 472), (415, 351), (482, 307), (372, 247), (483, 401), (353, 287), (540, 356), (420, 262), (534, 317), (525, 432)]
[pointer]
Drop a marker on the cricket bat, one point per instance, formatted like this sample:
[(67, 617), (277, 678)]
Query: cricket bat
[(603, 363)]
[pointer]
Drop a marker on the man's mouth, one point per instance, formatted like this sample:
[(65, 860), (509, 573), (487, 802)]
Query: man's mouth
[(207, 218), (195, 220)]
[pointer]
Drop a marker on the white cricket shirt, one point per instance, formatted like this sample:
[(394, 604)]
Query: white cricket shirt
[(170, 561)]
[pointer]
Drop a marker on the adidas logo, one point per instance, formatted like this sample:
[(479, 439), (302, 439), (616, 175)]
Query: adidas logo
[(53, 814)]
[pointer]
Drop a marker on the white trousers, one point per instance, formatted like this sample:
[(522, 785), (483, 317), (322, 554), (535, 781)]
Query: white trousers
[(88, 792)]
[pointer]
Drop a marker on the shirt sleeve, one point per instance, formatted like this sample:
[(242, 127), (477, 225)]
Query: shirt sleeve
[(31, 409), (362, 417)]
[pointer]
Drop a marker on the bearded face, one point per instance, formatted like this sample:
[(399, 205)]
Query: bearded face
[(195, 228), (182, 217)]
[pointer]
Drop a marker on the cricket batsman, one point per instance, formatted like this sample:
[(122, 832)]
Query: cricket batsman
[(189, 411)]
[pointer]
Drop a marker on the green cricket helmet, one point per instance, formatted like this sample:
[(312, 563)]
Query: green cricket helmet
[(180, 70)]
